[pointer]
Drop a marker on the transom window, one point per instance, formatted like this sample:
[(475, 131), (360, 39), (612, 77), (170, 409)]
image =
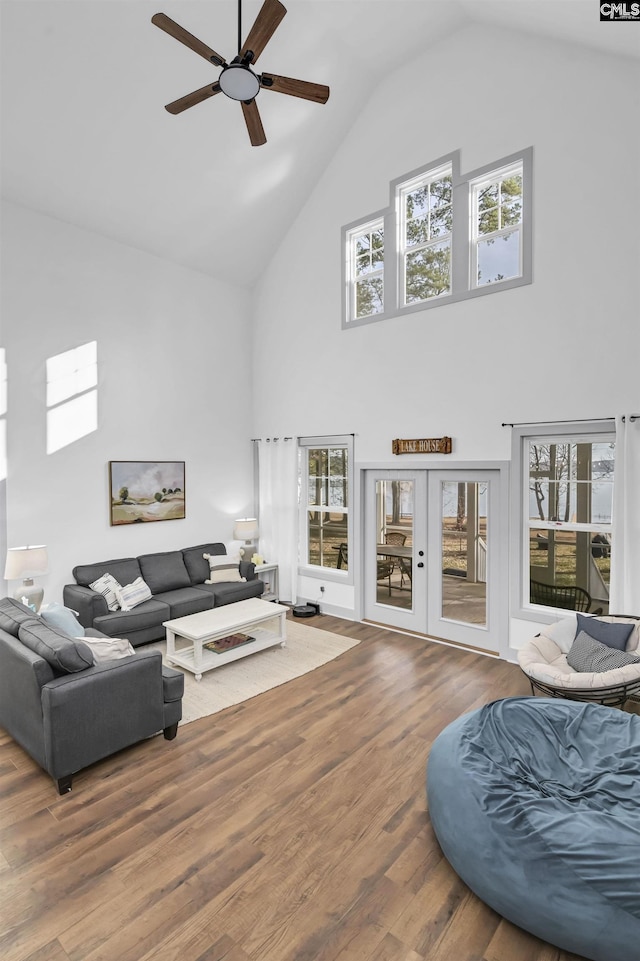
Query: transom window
[(366, 256), (444, 237), (426, 215), (497, 221)]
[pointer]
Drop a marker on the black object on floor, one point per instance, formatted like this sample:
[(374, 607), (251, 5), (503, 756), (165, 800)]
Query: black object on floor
[(305, 610)]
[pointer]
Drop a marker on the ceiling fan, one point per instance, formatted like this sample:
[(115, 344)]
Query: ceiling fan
[(237, 79)]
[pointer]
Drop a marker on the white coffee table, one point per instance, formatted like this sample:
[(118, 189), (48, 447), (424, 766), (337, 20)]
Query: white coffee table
[(265, 622)]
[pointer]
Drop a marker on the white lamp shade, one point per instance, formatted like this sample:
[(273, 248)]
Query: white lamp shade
[(245, 529), (24, 562)]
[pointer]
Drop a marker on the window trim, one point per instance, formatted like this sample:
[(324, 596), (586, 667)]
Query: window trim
[(314, 570), (461, 238), (590, 432)]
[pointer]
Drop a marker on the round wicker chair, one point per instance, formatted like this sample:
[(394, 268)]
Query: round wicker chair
[(544, 661)]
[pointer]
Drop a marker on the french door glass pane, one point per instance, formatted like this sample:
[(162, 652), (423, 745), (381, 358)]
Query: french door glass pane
[(464, 551), (394, 542)]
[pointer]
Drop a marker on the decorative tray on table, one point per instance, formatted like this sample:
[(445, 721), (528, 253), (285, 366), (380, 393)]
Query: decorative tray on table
[(222, 644)]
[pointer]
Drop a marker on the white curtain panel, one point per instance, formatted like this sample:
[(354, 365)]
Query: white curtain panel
[(625, 547), (278, 516)]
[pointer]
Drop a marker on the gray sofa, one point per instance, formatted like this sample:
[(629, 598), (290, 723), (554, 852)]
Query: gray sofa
[(68, 712), (176, 580)]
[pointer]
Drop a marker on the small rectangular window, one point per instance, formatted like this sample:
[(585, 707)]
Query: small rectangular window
[(497, 227), (325, 488), (426, 217), (366, 270), (569, 501)]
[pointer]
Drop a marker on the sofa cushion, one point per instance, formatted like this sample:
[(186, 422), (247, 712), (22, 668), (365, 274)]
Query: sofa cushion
[(134, 594), (164, 572), (62, 618), (13, 614), (613, 635), (195, 563), (188, 600), (123, 623), (230, 593), (124, 569), (60, 651)]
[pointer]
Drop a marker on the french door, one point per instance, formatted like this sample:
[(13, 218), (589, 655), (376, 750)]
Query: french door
[(431, 553)]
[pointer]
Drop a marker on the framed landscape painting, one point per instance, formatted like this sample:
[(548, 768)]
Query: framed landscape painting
[(142, 491)]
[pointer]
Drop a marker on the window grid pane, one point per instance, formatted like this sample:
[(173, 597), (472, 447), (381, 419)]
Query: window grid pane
[(570, 499)]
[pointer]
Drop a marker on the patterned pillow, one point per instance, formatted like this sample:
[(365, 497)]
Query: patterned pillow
[(107, 585), (222, 569), (133, 594), (590, 656)]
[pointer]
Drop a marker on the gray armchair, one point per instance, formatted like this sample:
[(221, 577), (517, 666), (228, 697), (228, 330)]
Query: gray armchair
[(68, 720)]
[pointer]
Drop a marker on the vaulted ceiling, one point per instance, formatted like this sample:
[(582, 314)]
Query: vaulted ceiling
[(85, 137)]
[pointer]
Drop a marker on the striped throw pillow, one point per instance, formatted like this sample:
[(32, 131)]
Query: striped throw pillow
[(107, 585), (133, 594)]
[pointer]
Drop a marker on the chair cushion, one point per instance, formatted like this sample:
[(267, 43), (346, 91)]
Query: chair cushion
[(123, 623), (56, 648), (230, 593), (164, 572)]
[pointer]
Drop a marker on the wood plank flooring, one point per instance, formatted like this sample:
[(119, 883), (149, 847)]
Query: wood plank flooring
[(292, 827)]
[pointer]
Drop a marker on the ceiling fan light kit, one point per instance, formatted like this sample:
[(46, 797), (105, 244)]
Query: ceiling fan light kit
[(237, 80)]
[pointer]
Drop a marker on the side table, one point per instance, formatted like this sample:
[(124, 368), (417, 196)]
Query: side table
[(268, 574)]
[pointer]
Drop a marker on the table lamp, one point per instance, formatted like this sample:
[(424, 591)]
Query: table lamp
[(26, 563), (245, 529)]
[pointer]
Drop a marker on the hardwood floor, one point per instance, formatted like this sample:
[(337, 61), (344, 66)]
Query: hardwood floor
[(292, 827)]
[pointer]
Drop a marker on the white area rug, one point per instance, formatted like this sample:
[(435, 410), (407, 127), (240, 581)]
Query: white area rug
[(307, 648)]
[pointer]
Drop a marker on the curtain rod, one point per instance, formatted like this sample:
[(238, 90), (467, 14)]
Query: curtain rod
[(255, 440), (577, 420)]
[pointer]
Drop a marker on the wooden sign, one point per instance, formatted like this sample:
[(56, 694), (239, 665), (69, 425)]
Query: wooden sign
[(422, 445)]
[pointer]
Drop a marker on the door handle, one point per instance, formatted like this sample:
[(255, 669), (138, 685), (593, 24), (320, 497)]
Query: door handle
[(419, 564)]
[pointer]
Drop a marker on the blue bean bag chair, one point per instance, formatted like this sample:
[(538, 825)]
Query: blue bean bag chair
[(536, 805)]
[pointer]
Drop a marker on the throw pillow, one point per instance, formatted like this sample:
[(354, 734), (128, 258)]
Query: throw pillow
[(60, 651), (63, 618), (587, 655), (613, 635), (108, 648), (106, 585), (133, 594), (222, 570)]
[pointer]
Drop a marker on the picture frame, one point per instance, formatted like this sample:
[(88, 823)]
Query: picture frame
[(145, 491)]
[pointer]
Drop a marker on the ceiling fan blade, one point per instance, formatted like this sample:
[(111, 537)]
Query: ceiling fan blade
[(254, 123), (317, 92), (191, 99), (271, 13), (179, 33)]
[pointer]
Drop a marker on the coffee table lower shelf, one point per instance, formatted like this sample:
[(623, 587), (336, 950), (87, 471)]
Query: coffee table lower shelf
[(195, 630)]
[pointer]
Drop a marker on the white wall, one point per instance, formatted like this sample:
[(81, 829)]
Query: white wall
[(565, 347), (171, 350)]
